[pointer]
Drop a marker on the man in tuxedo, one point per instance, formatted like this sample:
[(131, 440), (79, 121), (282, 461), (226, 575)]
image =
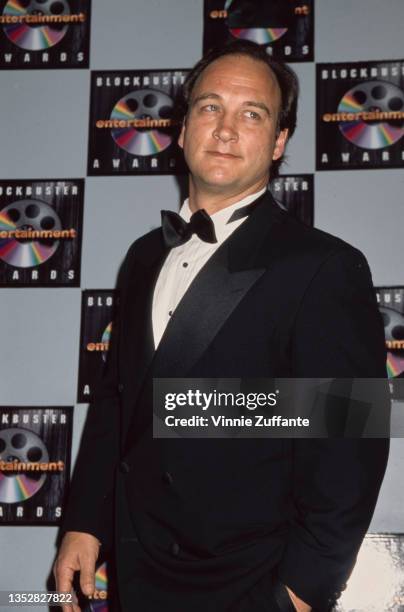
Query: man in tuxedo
[(232, 287)]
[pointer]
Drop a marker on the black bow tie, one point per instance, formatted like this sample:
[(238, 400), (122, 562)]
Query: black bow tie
[(177, 231)]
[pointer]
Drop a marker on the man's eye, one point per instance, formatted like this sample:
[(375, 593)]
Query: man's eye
[(210, 108), (253, 115)]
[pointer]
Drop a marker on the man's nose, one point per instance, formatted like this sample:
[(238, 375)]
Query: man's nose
[(225, 129)]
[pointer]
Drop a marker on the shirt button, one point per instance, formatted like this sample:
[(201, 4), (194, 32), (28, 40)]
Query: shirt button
[(167, 478), (175, 549), (170, 313), (124, 467), (185, 265)]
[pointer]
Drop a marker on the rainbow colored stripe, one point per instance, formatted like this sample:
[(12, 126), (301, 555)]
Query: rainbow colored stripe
[(101, 584), (348, 104), (36, 40), (261, 36), (24, 255), (106, 336), (14, 489), (5, 222), (121, 111), (101, 578), (14, 8), (395, 364), (370, 136)]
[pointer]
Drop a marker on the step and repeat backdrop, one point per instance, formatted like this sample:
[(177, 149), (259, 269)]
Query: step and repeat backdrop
[(89, 156)]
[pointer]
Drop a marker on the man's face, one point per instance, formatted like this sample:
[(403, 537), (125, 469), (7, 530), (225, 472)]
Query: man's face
[(229, 136)]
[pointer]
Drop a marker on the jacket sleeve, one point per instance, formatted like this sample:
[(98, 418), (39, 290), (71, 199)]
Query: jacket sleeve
[(90, 501), (338, 334)]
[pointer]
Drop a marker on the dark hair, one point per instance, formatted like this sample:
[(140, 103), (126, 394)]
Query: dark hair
[(285, 76)]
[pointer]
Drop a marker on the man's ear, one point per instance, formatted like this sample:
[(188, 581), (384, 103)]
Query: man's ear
[(182, 133), (280, 144)]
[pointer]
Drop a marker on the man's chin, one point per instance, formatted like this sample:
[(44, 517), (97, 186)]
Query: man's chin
[(222, 187), (220, 180)]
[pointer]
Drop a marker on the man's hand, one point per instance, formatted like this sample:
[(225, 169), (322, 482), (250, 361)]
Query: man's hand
[(78, 553), (299, 604)]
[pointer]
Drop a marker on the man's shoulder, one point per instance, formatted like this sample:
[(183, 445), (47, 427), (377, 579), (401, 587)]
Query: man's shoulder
[(314, 242), (144, 244), (145, 249)]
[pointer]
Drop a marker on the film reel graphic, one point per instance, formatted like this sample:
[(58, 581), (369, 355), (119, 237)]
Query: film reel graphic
[(143, 104), (31, 36), (22, 445), (372, 96), (394, 332), (261, 36), (28, 215)]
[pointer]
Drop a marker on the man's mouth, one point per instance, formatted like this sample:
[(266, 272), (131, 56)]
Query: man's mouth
[(223, 155)]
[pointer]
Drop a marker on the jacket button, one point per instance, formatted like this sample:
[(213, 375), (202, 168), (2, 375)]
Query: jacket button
[(120, 387), (175, 549), (124, 467), (167, 478)]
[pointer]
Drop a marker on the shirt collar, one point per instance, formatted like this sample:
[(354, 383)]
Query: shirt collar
[(221, 217)]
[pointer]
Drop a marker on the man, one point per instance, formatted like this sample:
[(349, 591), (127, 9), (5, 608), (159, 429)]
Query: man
[(245, 290)]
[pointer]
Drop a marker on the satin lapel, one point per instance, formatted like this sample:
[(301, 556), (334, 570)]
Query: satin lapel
[(138, 340), (214, 294), (208, 303)]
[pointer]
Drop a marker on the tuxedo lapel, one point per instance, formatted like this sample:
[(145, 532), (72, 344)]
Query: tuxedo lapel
[(209, 301)]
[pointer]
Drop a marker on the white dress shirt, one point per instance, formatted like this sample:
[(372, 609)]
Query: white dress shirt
[(185, 261)]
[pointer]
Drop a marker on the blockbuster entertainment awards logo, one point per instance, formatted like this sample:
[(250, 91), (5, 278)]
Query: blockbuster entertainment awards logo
[(40, 232), (360, 115), (134, 125), (35, 445), (44, 34)]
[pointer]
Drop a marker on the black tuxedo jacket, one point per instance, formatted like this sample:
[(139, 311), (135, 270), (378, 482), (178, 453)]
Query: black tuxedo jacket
[(207, 524)]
